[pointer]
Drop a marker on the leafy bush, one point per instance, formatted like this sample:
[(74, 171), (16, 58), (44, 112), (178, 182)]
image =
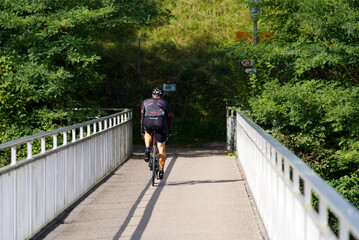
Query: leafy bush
[(348, 187)]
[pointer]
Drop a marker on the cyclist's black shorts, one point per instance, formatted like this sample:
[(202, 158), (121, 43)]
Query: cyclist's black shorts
[(156, 123)]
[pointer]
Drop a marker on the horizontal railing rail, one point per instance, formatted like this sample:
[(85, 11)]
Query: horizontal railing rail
[(41, 185), (97, 125), (286, 190)]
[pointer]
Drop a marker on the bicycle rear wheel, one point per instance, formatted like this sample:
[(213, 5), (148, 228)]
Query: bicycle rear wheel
[(153, 165)]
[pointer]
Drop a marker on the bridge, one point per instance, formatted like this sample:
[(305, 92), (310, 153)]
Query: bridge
[(88, 181)]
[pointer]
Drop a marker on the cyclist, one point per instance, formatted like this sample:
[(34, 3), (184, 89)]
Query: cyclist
[(156, 114)]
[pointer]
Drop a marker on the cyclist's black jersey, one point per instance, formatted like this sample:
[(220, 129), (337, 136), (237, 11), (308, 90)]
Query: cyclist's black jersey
[(157, 112)]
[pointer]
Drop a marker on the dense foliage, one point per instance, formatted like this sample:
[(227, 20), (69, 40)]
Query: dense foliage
[(312, 40), (49, 57), (306, 89)]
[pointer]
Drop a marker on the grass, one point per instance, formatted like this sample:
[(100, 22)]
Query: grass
[(216, 20)]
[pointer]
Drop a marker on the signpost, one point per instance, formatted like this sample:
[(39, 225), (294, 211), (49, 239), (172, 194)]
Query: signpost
[(247, 63), (248, 70), (169, 87), (255, 13)]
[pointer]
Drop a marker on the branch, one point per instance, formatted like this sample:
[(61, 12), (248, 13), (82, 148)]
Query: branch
[(355, 80)]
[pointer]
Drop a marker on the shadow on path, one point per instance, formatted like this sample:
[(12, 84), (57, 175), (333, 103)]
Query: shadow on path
[(149, 208), (202, 181)]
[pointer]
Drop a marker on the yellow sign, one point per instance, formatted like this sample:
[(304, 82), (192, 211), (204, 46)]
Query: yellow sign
[(247, 35)]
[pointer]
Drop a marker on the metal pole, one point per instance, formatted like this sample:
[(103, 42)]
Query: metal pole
[(255, 37), (139, 56), (255, 12), (255, 40)]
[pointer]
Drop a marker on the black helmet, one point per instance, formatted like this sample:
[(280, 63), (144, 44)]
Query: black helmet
[(158, 92)]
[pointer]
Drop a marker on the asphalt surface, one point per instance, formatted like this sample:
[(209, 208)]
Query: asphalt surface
[(202, 196)]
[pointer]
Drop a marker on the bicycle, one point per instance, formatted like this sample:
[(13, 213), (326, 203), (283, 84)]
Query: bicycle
[(154, 157)]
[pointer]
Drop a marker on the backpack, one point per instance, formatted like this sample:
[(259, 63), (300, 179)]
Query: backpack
[(153, 109)]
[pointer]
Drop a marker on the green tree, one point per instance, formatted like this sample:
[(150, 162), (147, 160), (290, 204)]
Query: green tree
[(312, 40), (49, 56)]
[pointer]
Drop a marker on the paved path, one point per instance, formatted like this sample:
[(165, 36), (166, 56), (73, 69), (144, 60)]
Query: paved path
[(202, 196)]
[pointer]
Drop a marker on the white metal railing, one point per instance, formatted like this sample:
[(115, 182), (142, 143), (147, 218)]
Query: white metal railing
[(36, 189), (283, 188)]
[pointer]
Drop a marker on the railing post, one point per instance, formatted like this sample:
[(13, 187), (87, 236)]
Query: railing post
[(323, 212), (29, 150), (343, 230), (43, 145), (286, 170), (231, 128), (54, 140), (64, 137), (73, 135), (81, 132), (13, 155)]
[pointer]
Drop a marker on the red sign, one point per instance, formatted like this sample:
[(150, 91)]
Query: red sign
[(247, 62)]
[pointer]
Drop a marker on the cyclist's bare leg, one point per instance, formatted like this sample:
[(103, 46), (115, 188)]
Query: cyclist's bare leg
[(162, 155), (148, 140)]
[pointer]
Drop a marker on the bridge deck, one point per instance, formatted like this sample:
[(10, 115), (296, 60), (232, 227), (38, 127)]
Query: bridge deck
[(203, 196)]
